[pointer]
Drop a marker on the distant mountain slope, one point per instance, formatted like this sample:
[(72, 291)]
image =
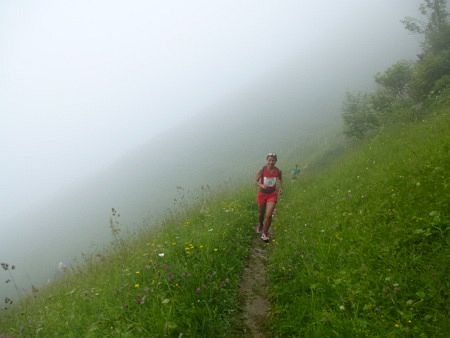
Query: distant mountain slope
[(223, 145)]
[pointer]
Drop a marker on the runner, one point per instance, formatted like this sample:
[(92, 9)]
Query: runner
[(268, 180), (295, 172)]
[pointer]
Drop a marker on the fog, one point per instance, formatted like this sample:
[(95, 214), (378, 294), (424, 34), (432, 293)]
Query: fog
[(114, 104)]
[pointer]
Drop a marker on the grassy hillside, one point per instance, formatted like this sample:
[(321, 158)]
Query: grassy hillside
[(182, 279), (362, 246), (223, 145)]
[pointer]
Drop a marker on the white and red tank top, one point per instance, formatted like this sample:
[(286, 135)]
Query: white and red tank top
[(269, 178)]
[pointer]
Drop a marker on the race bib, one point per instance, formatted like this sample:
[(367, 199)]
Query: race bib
[(270, 181)]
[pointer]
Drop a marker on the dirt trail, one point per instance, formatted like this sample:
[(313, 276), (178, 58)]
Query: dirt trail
[(253, 290)]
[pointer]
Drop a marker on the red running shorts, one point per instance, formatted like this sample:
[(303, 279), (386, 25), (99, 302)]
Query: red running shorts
[(262, 198)]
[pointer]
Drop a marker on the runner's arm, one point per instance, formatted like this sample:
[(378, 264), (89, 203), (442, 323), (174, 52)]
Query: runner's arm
[(280, 184), (258, 179)]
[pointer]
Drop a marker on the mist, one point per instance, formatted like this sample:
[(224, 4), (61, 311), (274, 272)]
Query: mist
[(114, 105)]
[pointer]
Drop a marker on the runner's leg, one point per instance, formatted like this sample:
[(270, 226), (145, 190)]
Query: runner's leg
[(268, 217), (261, 213)]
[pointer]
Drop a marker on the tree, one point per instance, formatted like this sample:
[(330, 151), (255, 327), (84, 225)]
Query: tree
[(430, 74), (404, 86), (359, 115), (435, 23), (395, 80), (433, 68)]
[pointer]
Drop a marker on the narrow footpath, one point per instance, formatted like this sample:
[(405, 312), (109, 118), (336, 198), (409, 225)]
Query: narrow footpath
[(253, 288)]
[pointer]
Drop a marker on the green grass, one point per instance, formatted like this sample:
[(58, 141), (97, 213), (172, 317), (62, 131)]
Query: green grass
[(362, 247), (179, 279)]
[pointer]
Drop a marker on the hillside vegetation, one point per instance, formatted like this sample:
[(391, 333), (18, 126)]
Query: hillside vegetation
[(180, 279), (362, 246)]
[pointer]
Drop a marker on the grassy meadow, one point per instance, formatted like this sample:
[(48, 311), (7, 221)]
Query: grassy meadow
[(360, 249), (362, 245), (179, 280)]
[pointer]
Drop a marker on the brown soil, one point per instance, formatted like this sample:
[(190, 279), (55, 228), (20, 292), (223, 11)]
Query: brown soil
[(253, 290)]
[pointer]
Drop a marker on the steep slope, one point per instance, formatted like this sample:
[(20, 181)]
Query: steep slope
[(362, 246), (221, 147)]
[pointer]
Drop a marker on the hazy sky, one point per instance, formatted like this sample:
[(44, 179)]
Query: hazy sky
[(83, 82)]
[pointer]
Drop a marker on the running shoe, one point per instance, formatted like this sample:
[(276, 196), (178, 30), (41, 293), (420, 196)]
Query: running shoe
[(265, 237)]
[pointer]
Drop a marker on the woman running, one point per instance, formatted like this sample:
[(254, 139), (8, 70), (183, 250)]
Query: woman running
[(269, 180)]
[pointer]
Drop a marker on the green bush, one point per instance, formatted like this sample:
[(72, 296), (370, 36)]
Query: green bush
[(429, 73), (359, 115)]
